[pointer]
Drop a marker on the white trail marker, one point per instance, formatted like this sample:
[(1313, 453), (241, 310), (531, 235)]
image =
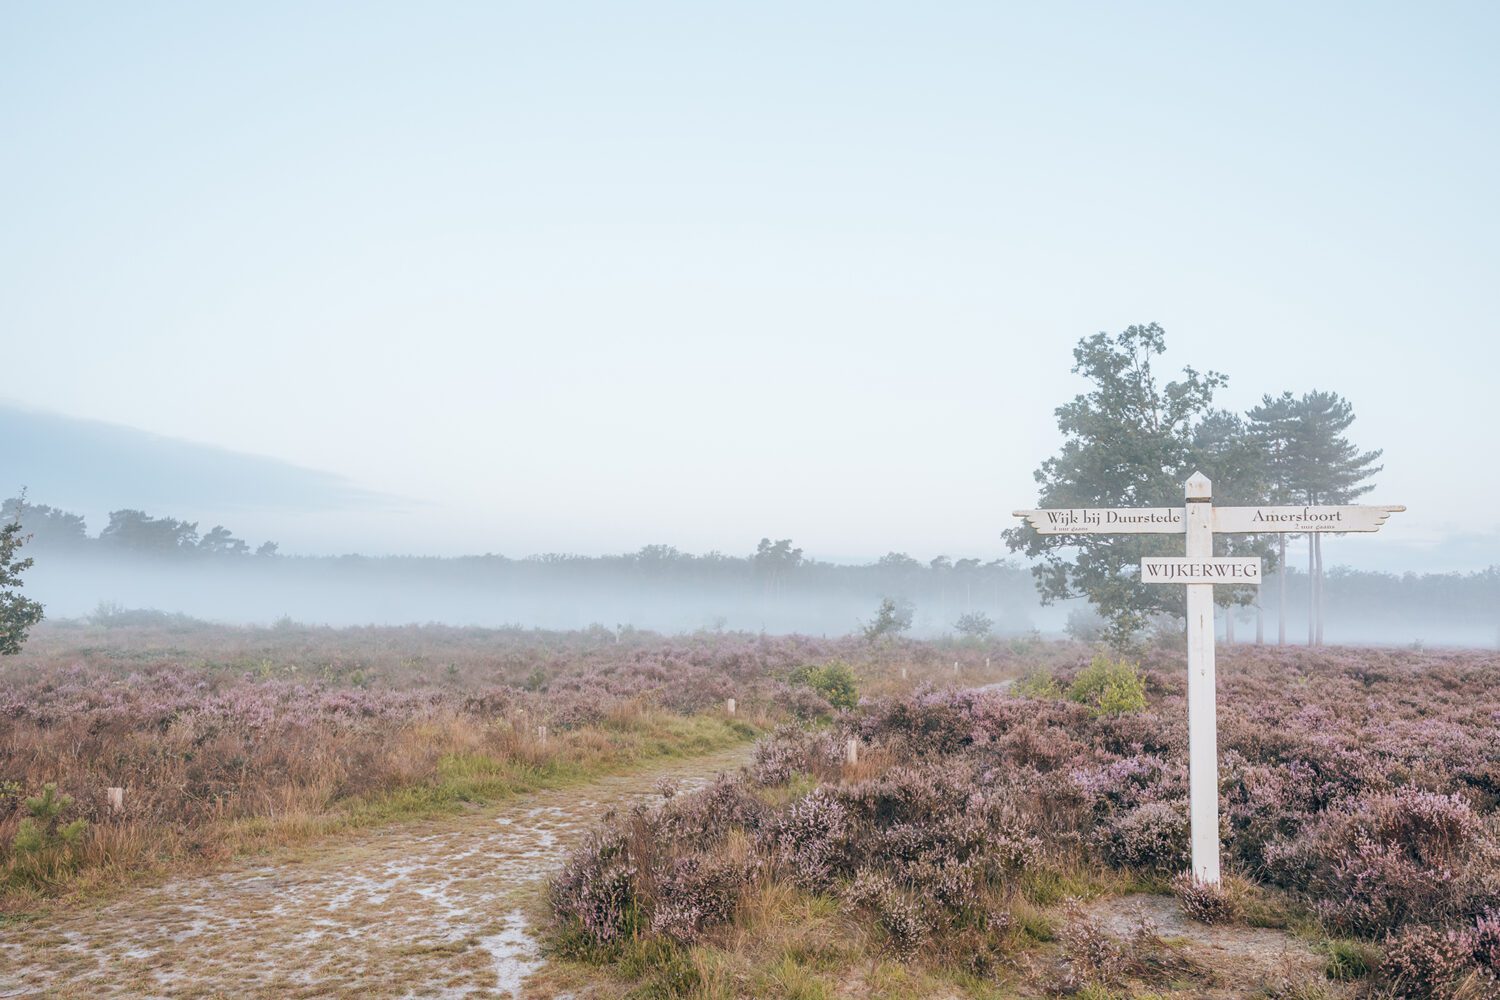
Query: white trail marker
[(1199, 571)]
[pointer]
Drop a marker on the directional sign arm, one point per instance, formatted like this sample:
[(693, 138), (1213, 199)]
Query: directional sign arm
[(1300, 520), (1105, 520)]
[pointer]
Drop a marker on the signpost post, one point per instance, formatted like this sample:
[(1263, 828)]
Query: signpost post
[(1199, 520)]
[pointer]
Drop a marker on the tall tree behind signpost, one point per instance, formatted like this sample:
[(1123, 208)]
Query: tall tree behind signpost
[(1328, 469), (1128, 442), (1224, 446), (1272, 427)]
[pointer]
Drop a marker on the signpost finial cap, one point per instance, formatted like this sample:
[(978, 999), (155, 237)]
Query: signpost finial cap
[(1198, 487)]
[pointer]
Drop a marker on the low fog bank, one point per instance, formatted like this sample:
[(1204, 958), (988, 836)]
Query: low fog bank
[(690, 594), (493, 592)]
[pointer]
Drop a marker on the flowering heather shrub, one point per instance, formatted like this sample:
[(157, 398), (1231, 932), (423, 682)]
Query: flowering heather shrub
[(597, 888), (1487, 940), (1203, 902), (875, 894), (1425, 962), (705, 819), (1091, 956), (1379, 863), (1153, 837), (796, 751), (698, 891), (1363, 781), (776, 761), (1128, 782), (803, 702), (808, 839), (645, 875), (901, 919)]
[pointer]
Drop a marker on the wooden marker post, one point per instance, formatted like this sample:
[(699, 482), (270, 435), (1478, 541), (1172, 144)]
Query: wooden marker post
[(1199, 570), (116, 799), (729, 706), (851, 752)]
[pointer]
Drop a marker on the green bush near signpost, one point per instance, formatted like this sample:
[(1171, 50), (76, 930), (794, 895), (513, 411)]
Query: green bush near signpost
[(1109, 687)]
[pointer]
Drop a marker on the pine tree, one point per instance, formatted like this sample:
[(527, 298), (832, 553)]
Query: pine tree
[(1273, 430), (1329, 470)]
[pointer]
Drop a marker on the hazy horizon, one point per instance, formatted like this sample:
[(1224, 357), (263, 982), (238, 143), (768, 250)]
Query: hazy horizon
[(90, 468)]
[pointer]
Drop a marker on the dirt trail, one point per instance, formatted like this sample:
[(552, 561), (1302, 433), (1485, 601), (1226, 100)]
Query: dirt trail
[(418, 910)]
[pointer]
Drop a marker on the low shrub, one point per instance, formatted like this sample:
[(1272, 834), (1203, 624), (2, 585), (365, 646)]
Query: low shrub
[(698, 891), (45, 845), (1091, 957), (834, 682), (1109, 687), (899, 917), (1205, 902), (1377, 864), (1487, 940), (1427, 962), (1038, 684), (634, 879), (1152, 837)]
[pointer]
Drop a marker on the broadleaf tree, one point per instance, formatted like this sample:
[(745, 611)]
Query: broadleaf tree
[(18, 613), (1131, 440)]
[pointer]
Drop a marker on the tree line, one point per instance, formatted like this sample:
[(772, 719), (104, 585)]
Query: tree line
[(129, 530)]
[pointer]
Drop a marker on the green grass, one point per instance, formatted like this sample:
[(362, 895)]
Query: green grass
[(792, 980), (1350, 959), (1034, 924), (1049, 884)]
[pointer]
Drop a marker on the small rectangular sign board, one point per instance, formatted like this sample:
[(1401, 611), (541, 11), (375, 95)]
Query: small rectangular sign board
[(1216, 569), (1106, 520)]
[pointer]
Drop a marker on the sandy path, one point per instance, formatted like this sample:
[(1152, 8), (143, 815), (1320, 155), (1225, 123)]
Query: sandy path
[(418, 910)]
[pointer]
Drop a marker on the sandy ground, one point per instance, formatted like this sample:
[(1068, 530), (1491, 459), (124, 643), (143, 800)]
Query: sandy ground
[(1245, 961), (417, 910)]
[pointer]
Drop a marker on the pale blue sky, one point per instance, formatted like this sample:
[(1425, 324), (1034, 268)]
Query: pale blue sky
[(588, 276)]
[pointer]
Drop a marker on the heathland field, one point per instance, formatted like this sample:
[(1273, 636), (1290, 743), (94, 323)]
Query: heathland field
[(1031, 842), (452, 812)]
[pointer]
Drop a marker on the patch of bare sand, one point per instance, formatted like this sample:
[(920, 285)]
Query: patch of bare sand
[(1244, 960)]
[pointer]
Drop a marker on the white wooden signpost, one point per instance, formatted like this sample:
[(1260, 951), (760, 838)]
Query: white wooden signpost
[(1199, 570)]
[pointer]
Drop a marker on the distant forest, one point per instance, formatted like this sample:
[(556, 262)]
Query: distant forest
[(141, 561)]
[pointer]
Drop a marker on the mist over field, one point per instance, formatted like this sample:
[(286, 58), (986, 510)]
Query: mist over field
[(683, 594)]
